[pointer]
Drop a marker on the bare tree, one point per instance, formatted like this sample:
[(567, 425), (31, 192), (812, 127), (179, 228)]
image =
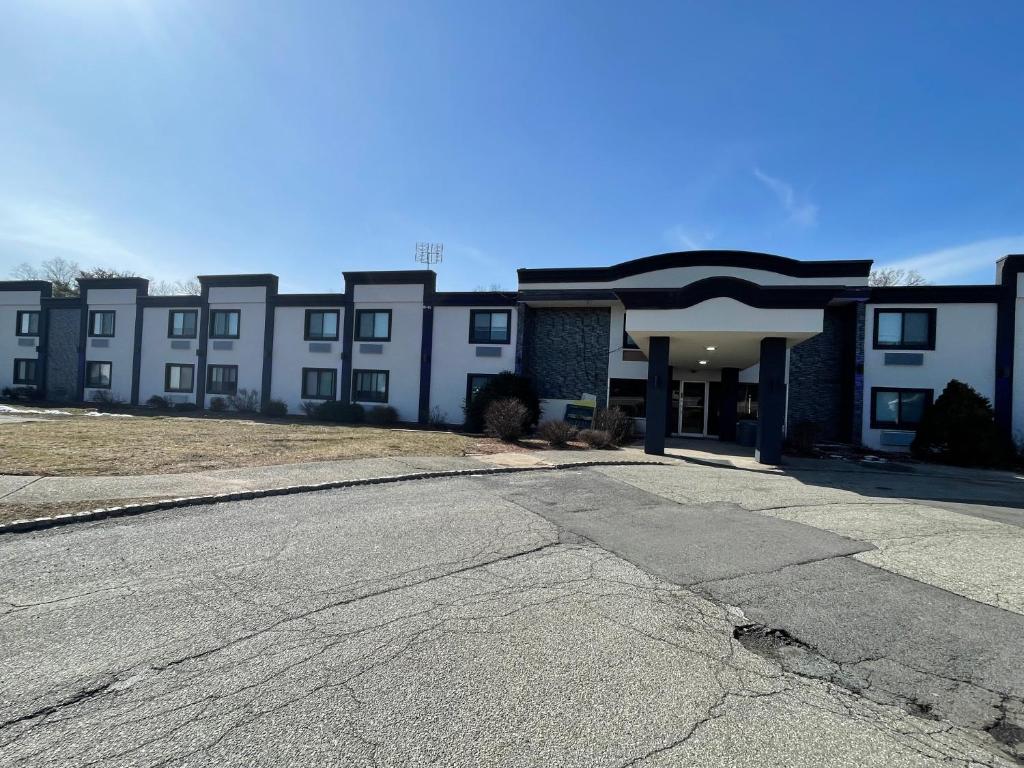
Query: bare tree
[(188, 287), (889, 276), (61, 272), (495, 287)]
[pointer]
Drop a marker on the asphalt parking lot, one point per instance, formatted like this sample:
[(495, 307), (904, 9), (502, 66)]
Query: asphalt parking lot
[(614, 616)]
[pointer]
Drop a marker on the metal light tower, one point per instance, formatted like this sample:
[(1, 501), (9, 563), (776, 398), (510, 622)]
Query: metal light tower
[(429, 254)]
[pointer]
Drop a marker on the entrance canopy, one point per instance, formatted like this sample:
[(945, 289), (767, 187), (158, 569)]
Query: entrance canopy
[(721, 321)]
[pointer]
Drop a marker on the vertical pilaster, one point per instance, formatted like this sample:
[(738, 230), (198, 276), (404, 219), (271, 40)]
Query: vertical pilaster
[(771, 396), (658, 384), (727, 404)]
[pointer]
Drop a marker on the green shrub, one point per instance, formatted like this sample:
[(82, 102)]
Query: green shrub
[(158, 401), (218, 404), (617, 423), (275, 409), (960, 428), (336, 410), (506, 419), (503, 386), (381, 414), (556, 432), (596, 438)]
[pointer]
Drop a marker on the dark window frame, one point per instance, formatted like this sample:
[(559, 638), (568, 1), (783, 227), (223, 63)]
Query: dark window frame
[(932, 314), (508, 325), (337, 325), (929, 396), (355, 389), (92, 323), (35, 371), (213, 315), (334, 387), (167, 377), (469, 383), (210, 390), (110, 375), (170, 324), (17, 322), (627, 340), (360, 313)]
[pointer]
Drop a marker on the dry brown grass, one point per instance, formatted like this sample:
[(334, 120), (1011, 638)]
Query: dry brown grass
[(80, 445)]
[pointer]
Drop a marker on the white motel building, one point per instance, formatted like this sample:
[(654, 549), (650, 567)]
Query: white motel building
[(690, 343)]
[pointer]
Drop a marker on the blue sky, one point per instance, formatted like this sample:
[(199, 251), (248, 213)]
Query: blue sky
[(306, 138)]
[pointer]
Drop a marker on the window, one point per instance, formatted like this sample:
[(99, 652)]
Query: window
[(24, 371), (370, 386), (224, 323), (28, 323), (321, 325), (97, 375), (904, 329), (221, 379), (373, 325), (181, 324), (897, 408), (474, 383), (101, 323), (319, 383), (179, 377), (489, 327)]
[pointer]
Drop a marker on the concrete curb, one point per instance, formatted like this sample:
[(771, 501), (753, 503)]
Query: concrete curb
[(42, 523)]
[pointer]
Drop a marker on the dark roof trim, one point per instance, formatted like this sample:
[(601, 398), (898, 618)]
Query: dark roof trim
[(751, 294), (264, 280), (140, 284), (187, 302), (475, 299), (584, 294), (61, 301), (425, 277), (936, 294), (744, 259), (44, 287), (310, 300)]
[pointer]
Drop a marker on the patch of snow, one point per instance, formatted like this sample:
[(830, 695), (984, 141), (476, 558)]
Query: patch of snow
[(47, 411)]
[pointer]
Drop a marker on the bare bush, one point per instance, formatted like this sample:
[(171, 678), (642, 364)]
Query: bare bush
[(617, 423), (596, 438), (506, 419), (245, 401), (556, 432)]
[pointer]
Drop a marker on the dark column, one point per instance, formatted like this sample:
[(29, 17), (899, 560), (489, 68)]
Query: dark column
[(771, 400), (658, 385), (727, 404), (671, 418)]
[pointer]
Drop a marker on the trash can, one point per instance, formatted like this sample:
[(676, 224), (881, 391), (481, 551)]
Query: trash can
[(746, 433)]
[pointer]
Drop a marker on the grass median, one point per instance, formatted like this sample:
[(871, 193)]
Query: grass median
[(81, 445)]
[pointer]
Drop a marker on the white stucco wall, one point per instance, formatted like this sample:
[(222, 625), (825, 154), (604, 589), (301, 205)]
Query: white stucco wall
[(617, 367), (1018, 365), (680, 276), (400, 356), (292, 354), (157, 353), (120, 350), (454, 358), (247, 350), (965, 349), (11, 302)]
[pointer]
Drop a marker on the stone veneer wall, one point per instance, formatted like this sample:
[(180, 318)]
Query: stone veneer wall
[(62, 354), (821, 376), (565, 351)]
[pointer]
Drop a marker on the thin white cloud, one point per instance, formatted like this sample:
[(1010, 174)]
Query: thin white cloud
[(801, 212), (34, 231), (688, 238), (952, 264)]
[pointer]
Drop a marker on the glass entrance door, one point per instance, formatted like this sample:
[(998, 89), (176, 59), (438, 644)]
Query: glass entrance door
[(693, 408)]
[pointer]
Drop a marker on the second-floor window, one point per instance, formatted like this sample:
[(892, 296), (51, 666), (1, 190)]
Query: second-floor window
[(373, 325), (321, 325), (904, 329), (221, 379), (181, 324), (28, 323), (224, 323), (489, 327), (101, 323)]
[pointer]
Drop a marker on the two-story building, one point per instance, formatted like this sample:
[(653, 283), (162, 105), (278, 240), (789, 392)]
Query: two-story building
[(689, 343)]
